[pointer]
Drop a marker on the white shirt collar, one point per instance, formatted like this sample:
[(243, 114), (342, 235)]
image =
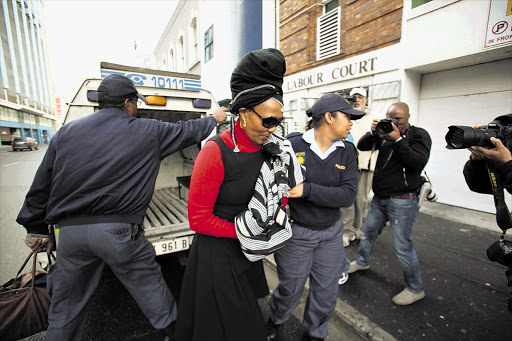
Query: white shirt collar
[(309, 137)]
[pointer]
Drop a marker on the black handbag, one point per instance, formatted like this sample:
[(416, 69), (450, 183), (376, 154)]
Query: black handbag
[(23, 304)]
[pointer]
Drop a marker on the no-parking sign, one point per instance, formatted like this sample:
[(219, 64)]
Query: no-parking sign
[(499, 24)]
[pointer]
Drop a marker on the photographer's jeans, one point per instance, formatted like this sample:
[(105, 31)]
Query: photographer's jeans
[(401, 214)]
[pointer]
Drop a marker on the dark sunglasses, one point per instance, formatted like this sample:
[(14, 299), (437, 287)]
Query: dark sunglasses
[(268, 122)]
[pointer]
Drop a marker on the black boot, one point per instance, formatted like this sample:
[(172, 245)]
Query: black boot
[(272, 330), (307, 337)]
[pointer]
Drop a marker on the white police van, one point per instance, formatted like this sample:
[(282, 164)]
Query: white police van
[(171, 97)]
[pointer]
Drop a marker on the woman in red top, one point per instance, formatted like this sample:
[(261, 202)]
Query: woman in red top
[(221, 286)]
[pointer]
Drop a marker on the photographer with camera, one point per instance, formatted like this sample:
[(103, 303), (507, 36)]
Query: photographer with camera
[(403, 153), (475, 169), (489, 171)]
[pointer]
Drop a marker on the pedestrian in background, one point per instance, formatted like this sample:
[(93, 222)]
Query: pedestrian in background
[(353, 215), (316, 247), (98, 195), (221, 286), (403, 153)]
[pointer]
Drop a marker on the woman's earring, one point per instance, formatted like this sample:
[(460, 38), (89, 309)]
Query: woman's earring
[(244, 123)]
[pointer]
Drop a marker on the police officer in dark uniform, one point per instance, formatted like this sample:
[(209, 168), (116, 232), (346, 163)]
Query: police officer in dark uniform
[(96, 181)]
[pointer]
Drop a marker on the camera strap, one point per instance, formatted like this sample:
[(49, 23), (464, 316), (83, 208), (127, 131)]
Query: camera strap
[(503, 215)]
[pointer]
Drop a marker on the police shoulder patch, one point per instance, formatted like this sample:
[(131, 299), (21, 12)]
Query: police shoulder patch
[(301, 157)]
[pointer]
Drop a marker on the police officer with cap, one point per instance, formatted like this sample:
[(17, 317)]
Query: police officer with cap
[(96, 181), (316, 251)]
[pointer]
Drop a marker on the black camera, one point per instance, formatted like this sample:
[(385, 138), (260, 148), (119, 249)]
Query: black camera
[(350, 99), (385, 126), (459, 137), (501, 252)]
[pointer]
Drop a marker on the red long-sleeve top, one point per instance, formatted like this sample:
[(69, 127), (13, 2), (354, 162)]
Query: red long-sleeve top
[(207, 177)]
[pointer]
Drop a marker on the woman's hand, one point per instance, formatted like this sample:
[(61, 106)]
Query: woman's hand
[(296, 192)]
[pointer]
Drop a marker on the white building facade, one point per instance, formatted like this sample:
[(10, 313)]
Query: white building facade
[(208, 38), (459, 56)]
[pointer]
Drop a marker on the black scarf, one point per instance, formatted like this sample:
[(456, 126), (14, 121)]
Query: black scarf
[(257, 77)]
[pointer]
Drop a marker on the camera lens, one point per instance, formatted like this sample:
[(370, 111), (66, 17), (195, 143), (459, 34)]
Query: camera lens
[(384, 128), (459, 137), (432, 196)]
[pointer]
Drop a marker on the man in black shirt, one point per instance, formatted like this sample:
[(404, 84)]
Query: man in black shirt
[(403, 153)]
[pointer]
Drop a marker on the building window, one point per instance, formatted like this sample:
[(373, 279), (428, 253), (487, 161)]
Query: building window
[(181, 55), (329, 6), (8, 114), (172, 62), (193, 40), (208, 44), (328, 34), (416, 3)]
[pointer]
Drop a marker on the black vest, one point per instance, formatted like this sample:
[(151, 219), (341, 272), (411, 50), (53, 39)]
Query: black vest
[(241, 171)]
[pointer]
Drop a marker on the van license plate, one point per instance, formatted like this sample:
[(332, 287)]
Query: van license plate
[(171, 245)]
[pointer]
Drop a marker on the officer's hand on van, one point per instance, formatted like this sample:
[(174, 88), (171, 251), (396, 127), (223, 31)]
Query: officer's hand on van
[(220, 114)]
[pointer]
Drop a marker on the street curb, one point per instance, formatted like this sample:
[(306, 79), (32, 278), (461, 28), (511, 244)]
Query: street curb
[(482, 220), (348, 315), (360, 323)]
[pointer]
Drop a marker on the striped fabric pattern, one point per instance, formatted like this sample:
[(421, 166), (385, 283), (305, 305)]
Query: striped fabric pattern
[(264, 227)]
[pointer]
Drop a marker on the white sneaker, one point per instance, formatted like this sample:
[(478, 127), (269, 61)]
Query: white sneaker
[(356, 267), (347, 238), (406, 297), (346, 241), (343, 279)]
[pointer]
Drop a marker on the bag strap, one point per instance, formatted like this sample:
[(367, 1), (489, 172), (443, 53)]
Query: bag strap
[(503, 214), (32, 253)]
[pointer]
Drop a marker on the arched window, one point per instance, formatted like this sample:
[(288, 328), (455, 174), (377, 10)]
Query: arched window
[(172, 60), (193, 41), (181, 55)]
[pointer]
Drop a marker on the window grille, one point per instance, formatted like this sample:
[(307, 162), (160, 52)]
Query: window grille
[(328, 34)]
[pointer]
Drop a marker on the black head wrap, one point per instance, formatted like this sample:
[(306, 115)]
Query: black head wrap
[(257, 77)]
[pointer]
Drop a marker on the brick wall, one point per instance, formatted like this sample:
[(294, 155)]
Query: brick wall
[(366, 25)]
